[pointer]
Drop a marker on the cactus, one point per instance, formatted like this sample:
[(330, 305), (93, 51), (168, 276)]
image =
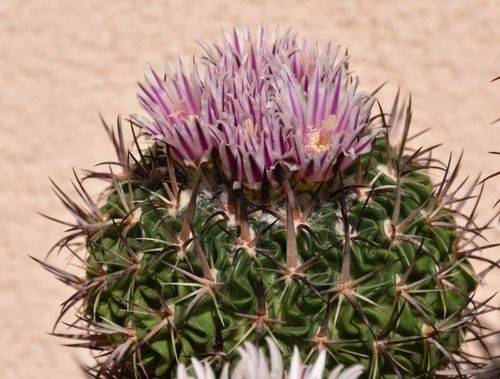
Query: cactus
[(265, 198)]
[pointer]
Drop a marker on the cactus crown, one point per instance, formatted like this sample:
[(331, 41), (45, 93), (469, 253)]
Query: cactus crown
[(260, 102), (271, 203)]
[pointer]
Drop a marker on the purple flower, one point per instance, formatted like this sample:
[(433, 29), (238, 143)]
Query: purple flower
[(175, 106), (328, 117), (259, 101)]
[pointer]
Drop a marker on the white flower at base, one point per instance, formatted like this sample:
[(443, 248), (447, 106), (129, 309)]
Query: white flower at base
[(254, 365)]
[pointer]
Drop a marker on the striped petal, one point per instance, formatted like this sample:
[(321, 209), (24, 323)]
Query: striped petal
[(261, 99)]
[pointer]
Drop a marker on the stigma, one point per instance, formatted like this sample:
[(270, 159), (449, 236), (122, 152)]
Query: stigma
[(320, 139)]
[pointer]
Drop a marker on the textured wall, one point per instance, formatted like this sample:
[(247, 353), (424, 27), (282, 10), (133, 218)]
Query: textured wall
[(62, 61)]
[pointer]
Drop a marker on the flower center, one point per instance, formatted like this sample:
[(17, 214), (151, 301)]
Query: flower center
[(249, 129), (320, 139)]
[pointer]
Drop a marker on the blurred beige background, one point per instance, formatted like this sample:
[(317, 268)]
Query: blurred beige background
[(62, 61)]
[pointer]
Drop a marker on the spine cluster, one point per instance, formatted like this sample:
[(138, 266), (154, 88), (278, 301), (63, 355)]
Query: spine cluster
[(372, 266)]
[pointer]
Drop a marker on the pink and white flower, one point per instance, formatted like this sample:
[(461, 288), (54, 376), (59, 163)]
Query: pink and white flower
[(258, 101), (254, 364)]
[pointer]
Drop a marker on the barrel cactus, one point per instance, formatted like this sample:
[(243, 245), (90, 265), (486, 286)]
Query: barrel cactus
[(266, 197)]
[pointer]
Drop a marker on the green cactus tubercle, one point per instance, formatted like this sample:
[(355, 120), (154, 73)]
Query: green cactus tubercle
[(264, 200), (190, 277)]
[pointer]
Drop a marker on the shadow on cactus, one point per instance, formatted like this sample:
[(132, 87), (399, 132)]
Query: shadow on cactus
[(265, 198)]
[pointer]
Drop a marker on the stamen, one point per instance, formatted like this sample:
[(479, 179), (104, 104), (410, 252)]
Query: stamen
[(249, 129), (320, 139)]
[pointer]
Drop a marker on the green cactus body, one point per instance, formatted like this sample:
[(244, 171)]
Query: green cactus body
[(272, 205), (365, 266)]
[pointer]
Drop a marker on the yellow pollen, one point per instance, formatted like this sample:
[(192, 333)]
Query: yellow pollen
[(249, 128), (320, 139)]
